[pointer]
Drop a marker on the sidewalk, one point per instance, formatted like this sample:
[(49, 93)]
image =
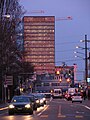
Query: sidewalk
[(3, 105)]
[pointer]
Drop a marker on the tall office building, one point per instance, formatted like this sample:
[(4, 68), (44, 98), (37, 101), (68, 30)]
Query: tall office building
[(39, 42)]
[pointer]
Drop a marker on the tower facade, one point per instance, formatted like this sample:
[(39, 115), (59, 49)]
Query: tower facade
[(39, 42)]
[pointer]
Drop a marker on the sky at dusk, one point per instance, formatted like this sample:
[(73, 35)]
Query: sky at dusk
[(68, 33)]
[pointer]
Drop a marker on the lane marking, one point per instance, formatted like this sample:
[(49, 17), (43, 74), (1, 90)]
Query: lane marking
[(63, 116), (78, 116), (87, 107), (78, 112), (43, 110), (59, 111), (44, 116), (51, 99)]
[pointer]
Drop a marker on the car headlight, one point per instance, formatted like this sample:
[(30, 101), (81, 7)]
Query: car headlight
[(44, 99), (27, 106), (11, 106), (41, 101), (37, 101)]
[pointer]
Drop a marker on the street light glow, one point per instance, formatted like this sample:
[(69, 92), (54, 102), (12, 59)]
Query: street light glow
[(80, 47), (79, 57), (78, 52), (7, 16)]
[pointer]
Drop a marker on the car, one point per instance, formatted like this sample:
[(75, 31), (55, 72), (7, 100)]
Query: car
[(57, 93), (69, 94), (77, 97), (33, 100), (20, 104), (43, 96), (39, 99)]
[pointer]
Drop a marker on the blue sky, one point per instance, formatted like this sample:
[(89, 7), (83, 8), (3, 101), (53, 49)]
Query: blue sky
[(68, 33)]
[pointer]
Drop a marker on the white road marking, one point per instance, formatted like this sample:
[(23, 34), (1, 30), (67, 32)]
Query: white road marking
[(43, 110), (87, 107), (59, 112)]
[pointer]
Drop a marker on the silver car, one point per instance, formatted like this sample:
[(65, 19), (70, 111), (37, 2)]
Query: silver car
[(77, 97)]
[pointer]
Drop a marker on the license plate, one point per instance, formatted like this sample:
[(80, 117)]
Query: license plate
[(19, 108)]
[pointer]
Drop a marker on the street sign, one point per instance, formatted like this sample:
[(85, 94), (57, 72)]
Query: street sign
[(9, 80), (88, 80), (5, 85)]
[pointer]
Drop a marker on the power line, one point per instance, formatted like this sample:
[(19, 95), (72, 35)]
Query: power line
[(68, 60), (66, 50), (63, 43)]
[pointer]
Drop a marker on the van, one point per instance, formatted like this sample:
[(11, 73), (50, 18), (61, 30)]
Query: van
[(70, 93), (57, 93)]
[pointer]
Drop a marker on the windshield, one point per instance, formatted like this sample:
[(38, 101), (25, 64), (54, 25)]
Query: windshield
[(20, 99)]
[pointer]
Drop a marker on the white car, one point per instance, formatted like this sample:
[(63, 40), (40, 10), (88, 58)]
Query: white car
[(77, 97)]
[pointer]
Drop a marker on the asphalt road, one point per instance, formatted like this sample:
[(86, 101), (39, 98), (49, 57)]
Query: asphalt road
[(56, 109)]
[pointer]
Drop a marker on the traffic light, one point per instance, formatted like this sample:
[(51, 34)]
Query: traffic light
[(68, 80), (57, 72), (60, 80)]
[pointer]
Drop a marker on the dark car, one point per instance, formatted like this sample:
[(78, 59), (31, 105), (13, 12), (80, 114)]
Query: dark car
[(41, 100), (33, 100), (43, 96), (20, 104)]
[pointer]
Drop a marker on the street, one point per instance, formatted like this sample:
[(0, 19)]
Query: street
[(56, 109)]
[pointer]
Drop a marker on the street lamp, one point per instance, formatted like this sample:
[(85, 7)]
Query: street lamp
[(79, 57), (6, 16), (78, 52), (79, 47)]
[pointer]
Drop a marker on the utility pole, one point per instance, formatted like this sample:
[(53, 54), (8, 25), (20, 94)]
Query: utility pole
[(86, 59)]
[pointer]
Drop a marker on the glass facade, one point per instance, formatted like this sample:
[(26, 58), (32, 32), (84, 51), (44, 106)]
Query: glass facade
[(39, 42)]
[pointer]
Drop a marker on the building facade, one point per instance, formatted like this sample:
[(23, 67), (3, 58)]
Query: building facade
[(39, 43), (63, 79)]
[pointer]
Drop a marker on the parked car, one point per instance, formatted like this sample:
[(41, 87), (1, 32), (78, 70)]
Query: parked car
[(20, 104), (77, 97)]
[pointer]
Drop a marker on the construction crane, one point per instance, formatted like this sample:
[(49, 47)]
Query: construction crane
[(64, 18), (42, 12), (36, 12)]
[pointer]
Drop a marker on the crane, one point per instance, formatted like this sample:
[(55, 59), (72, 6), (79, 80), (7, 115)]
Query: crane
[(42, 12), (64, 18), (36, 12)]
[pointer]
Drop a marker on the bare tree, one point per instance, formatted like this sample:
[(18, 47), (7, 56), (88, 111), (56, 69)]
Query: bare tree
[(9, 28), (11, 14)]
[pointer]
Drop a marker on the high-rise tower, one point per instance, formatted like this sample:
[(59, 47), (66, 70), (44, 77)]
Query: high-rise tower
[(39, 42)]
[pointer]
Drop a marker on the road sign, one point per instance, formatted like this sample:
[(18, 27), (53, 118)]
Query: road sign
[(5, 85), (9, 80)]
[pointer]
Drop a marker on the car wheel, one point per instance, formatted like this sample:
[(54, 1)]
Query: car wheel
[(11, 113), (81, 102), (35, 108), (31, 112)]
